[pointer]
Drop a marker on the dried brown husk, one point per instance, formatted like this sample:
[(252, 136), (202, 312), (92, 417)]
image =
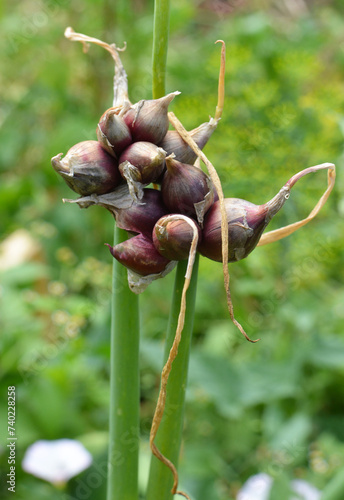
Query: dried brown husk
[(138, 283), (120, 83), (282, 232), (120, 198)]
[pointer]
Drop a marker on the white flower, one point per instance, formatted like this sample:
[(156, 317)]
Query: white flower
[(258, 488), (56, 461), (304, 490)]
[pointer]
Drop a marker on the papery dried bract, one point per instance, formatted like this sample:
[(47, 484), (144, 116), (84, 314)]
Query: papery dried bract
[(117, 199)]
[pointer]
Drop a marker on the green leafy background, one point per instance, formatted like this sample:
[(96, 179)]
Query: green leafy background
[(276, 406)]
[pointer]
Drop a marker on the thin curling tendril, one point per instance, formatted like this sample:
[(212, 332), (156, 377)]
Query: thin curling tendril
[(221, 87), (217, 183), (160, 406), (224, 223), (284, 231)]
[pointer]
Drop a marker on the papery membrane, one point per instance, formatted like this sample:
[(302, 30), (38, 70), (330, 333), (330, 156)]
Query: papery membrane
[(138, 283), (119, 198)]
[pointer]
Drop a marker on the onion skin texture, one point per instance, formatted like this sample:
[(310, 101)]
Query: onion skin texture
[(88, 169), (113, 133), (148, 160), (148, 120), (246, 223), (139, 255), (184, 185), (141, 217), (173, 143), (173, 238)]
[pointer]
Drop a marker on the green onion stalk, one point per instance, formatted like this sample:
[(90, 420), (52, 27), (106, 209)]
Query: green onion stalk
[(169, 435), (124, 377), (124, 386)]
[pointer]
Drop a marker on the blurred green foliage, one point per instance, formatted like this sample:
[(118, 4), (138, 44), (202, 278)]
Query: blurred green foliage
[(276, 406)]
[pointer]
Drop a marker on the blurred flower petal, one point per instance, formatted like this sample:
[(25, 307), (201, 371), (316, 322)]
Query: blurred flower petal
[(256, 488), (304, 490), (56, 461)]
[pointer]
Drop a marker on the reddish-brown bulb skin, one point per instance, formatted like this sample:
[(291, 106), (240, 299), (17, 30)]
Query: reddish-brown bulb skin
[(148, 120), (183, 186), (172, 143), (113, 133), (246, 222), (147, 162), (141, 217), (88, 169), (173, 238), (139, 255)]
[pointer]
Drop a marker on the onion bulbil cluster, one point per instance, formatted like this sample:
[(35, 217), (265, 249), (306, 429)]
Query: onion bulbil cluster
[(129, 150), (135, 150)]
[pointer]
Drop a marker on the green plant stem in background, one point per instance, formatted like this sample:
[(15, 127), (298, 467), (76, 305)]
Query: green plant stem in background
[(124, 387), (160, 46), (169, 436)]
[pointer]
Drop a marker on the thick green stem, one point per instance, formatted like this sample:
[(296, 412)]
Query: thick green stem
[(160, 46), (124, 387), (169, 436)]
